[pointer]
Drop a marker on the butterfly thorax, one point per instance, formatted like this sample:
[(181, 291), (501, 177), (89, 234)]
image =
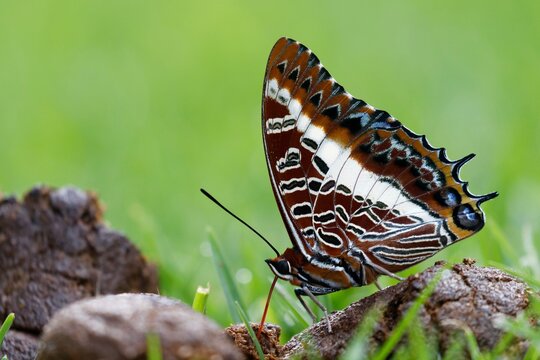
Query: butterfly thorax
[(321, 273)]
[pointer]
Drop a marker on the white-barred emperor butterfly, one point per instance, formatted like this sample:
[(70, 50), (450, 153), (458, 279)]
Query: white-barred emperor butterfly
[(359, 193)]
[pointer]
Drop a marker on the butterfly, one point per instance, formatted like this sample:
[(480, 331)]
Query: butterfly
[(360, 194)]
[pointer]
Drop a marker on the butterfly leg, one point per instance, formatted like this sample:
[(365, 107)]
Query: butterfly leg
[(376, 282), (306, 291), (383, 271), (299, 293)]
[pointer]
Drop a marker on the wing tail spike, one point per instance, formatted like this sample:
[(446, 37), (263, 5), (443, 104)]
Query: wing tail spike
[(459, 164), (425, 142), (479, 198), (464, 160), (467, 192), (443, 156), (487, 197)]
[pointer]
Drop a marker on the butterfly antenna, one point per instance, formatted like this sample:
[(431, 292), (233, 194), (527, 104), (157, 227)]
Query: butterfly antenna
[(237, 218)]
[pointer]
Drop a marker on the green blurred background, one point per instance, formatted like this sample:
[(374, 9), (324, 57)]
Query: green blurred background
[(146, 102)]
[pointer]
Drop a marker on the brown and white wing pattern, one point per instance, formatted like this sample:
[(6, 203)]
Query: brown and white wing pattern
[(354, 186)]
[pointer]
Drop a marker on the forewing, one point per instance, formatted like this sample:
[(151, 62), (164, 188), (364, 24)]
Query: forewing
[(301, 102)]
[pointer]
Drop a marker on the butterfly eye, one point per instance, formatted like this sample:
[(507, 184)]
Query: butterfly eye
[(281, 267)]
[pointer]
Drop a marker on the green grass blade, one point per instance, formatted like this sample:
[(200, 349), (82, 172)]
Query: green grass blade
[(244, 318), (200, 299), (456, 348), (232, 294), (153, 347), (520, 328), (419, 346), (407, 319), (5, 327), (532, 353), (506, 340), (472, 344), (358, 347)]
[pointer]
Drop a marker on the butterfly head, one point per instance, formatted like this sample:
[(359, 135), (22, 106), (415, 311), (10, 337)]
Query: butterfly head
[(285, 266)]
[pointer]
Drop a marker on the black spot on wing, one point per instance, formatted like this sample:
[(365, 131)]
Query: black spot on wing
[(314, 185), (306, 84), (332, 112), (358, 231), (340, 210), (292, 185), (294, 75), (329, 238), (281, 67), (308, 232), (329, 185), (316, 99), (310, 143), (381, 158), (344, 189), (324, 217), (301, 209), (353, 124)]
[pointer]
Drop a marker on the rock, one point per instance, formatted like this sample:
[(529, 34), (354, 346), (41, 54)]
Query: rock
[(18, 345), (269, 340), (116, 327), (466, 295), (55, 249)]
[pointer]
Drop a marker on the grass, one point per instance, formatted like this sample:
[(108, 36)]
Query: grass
[(250, 331), (229, 286), (359, 347), (200, 299), (4, 328), (397, 333), (153, 346)]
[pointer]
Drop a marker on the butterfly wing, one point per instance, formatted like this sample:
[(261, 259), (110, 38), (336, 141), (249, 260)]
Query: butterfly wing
[(351, 182)]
